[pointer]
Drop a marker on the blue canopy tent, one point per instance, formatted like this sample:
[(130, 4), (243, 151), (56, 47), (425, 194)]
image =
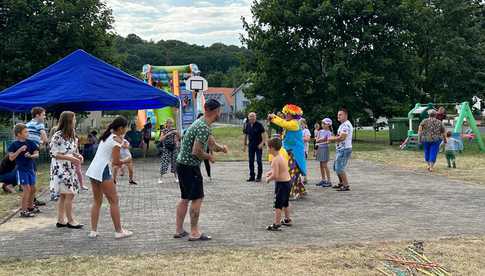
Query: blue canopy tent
[(82, 82)]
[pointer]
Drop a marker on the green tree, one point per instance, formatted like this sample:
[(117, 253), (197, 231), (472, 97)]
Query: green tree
[(215, 79), (447, 44), (375, 57), (235, 76), (213, 61), (37, 33)]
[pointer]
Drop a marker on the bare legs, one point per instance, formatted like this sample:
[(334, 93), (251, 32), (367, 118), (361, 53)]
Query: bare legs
[(194, 212), (108, 189), (343, 179), (277, 214), (27, 197), (324, 171), (117, 169), (64, 209)]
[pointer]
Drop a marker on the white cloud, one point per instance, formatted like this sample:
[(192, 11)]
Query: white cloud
[(194, 21)]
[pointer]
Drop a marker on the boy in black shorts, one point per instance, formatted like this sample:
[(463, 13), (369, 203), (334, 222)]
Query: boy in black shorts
[(280, 174)]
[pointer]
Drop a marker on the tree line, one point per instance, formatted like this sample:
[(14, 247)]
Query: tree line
[(37, 33), (375, 57)]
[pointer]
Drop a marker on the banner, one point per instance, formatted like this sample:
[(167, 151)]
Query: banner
[(188, 110)]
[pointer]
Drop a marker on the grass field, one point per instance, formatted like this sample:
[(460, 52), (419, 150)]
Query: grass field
[(375, 147), (10, 202), (470, 163), (461, 256)]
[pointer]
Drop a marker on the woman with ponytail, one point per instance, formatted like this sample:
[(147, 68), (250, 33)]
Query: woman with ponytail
[(100, 173)]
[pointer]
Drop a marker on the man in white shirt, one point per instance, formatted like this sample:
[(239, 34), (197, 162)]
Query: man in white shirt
[(343, 142)]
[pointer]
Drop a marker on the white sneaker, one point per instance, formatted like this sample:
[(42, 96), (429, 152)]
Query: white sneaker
[(160, 181), (93, 234), (123, 234)]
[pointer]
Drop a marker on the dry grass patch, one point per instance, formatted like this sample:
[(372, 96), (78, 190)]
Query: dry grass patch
[(460, 256), (10, 202), (470, 166)]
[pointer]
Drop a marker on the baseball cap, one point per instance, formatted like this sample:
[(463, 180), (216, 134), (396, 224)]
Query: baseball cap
[(327, 121), (212, 104)]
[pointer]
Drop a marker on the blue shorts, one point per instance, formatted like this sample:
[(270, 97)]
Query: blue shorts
[(341, 159), (106, 175), (25, 178)]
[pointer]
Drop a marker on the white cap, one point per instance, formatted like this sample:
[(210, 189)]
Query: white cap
[(327, 121)]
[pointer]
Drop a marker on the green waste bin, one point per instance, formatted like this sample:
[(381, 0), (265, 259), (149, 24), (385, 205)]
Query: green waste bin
[(398, 128)]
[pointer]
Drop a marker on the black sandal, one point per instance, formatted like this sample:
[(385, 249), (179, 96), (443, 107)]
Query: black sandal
[(181, 235), (132, 182), (338, 186), (274, 227), (286, 222), (202, 237), (344, 188)]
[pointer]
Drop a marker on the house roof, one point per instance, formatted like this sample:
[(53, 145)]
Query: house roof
[(227, 91), (241, 87)]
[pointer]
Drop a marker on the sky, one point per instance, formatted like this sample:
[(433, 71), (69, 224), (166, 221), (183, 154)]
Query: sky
[(201, 22)]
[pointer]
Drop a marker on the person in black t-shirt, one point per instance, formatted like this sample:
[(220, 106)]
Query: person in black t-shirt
[(254, 140), (147, 135), (8, 176)]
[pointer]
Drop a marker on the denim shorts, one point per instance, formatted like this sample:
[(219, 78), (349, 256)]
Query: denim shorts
[(106, 175), (341, 159)]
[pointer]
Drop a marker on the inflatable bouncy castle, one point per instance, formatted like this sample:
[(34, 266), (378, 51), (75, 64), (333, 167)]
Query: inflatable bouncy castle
[(170, 79)]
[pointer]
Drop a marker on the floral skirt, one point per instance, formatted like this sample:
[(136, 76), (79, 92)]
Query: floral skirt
[(63, 178)]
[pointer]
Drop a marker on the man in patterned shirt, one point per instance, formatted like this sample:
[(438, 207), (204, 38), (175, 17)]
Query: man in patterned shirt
[(192, 152)]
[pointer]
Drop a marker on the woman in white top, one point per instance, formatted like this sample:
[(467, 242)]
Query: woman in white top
[(100, 173), (63, 177)]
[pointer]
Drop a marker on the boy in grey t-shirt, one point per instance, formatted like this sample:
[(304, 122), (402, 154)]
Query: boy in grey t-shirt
[(451, 147)]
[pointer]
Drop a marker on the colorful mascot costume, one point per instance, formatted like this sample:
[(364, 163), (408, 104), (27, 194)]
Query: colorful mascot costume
[(293, 146)]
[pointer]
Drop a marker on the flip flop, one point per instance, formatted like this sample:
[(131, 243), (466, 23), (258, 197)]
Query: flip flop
[(181, 235), (202, 237), (344, 188)]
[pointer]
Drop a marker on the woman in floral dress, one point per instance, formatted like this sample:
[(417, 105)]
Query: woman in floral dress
[(63, 177)]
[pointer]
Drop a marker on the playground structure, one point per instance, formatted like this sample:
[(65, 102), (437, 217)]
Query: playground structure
[(171, 79), (464, 113)]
